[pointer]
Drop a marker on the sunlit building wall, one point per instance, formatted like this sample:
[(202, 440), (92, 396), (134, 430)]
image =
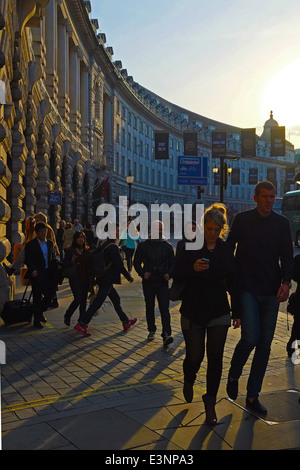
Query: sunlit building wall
[(74, 118)]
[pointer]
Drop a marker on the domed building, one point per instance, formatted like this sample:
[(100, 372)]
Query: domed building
[(75, 124)]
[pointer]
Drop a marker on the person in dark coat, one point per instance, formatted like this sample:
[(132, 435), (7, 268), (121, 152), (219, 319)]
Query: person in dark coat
[(43, 270), (79, 281), (153, 261), (205, 310), (115, 268)]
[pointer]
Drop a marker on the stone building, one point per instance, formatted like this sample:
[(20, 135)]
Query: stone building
[(74, 123)]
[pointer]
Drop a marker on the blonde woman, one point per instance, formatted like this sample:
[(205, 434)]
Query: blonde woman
[(205, 310)]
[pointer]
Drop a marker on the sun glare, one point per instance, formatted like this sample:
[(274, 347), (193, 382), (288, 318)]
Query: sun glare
[(282, 95)]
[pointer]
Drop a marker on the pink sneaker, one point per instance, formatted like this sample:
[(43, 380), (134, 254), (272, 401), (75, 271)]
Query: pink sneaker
[(82, 329), (126, 326)]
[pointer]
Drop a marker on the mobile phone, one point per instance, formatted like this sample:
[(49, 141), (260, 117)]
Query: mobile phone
[(205, 259)]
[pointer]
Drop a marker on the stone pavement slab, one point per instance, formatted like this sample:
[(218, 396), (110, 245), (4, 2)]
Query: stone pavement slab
[(117, 391)]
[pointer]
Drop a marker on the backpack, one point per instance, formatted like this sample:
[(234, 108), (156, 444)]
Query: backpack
[(96, 262)]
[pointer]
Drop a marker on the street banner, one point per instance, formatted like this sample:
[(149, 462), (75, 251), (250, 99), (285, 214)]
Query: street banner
[(218, 143), (161, 145), (190, 143), (248, 143), (278, 141)]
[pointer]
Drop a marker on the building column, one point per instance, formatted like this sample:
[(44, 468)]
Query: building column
[(51, 50), (63, 71), (75, 116)]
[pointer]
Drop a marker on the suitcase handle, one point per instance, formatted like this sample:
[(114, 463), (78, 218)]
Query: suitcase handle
[(24, 293)]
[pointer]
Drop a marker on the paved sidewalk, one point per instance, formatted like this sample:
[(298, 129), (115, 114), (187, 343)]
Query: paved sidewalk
[(116, 391)]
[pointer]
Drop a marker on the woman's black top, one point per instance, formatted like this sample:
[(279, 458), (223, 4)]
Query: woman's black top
[(205, 294)]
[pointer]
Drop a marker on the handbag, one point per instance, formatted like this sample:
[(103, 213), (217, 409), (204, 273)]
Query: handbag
[(176, 289)]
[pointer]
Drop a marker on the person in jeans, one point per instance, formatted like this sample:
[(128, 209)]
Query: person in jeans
[(153, 261), (208, 274), (115, 268), (264, 256), (79, 282)]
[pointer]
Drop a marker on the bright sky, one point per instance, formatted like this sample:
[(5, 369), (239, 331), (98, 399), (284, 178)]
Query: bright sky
[(232, 61)]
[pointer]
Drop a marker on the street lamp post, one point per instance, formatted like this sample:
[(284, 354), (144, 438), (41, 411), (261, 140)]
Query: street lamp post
[(224, 170), (129, 181)]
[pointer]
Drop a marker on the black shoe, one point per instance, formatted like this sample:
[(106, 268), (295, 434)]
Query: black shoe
[(188, 391), (43, 319), (255, 406), (67, 320), (209, 404), (232, 388), (37, 324), (167, 339)]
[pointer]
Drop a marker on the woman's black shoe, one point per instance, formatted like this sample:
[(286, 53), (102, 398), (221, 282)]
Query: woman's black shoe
[(38, 325), (188, 391), (209, 404), (232, 388), (67, 320)]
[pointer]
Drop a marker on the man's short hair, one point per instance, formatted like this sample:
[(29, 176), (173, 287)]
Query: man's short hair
[(39, 226), (264, 185)]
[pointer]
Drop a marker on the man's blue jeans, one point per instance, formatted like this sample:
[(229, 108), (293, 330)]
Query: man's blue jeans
[(258, 323)]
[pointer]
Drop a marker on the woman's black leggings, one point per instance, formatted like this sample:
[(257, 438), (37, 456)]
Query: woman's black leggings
[(195, 350)]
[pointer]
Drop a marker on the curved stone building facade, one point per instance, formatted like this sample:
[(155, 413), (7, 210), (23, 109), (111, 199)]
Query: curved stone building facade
[(74, 123)]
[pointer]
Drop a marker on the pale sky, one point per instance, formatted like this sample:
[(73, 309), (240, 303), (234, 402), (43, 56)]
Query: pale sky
[(229, 60)]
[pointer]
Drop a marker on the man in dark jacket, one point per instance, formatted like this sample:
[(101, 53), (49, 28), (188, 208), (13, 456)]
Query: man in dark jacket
[(114, 269), (264, 257), (153, 261), (40, 259)]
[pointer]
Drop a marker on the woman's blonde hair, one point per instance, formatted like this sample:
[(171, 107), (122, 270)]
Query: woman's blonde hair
[(217, 213)]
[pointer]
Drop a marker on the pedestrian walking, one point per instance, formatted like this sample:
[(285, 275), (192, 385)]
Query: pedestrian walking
[(19, 248), (128, 245), (207, 274), (77, 264), (294, 308), (77, 225), (114, 269), (91, 240), (59, 238), (43, 271), (153, 261), (68, 236), (264, 256)]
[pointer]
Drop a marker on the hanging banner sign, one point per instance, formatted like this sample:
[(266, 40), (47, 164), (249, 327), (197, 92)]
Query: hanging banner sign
[(218, 143), (248, 143), (161, 145), (190, 143), (278, 141)]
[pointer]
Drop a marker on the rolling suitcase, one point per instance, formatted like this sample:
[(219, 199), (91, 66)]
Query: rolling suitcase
[(17, 311)]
